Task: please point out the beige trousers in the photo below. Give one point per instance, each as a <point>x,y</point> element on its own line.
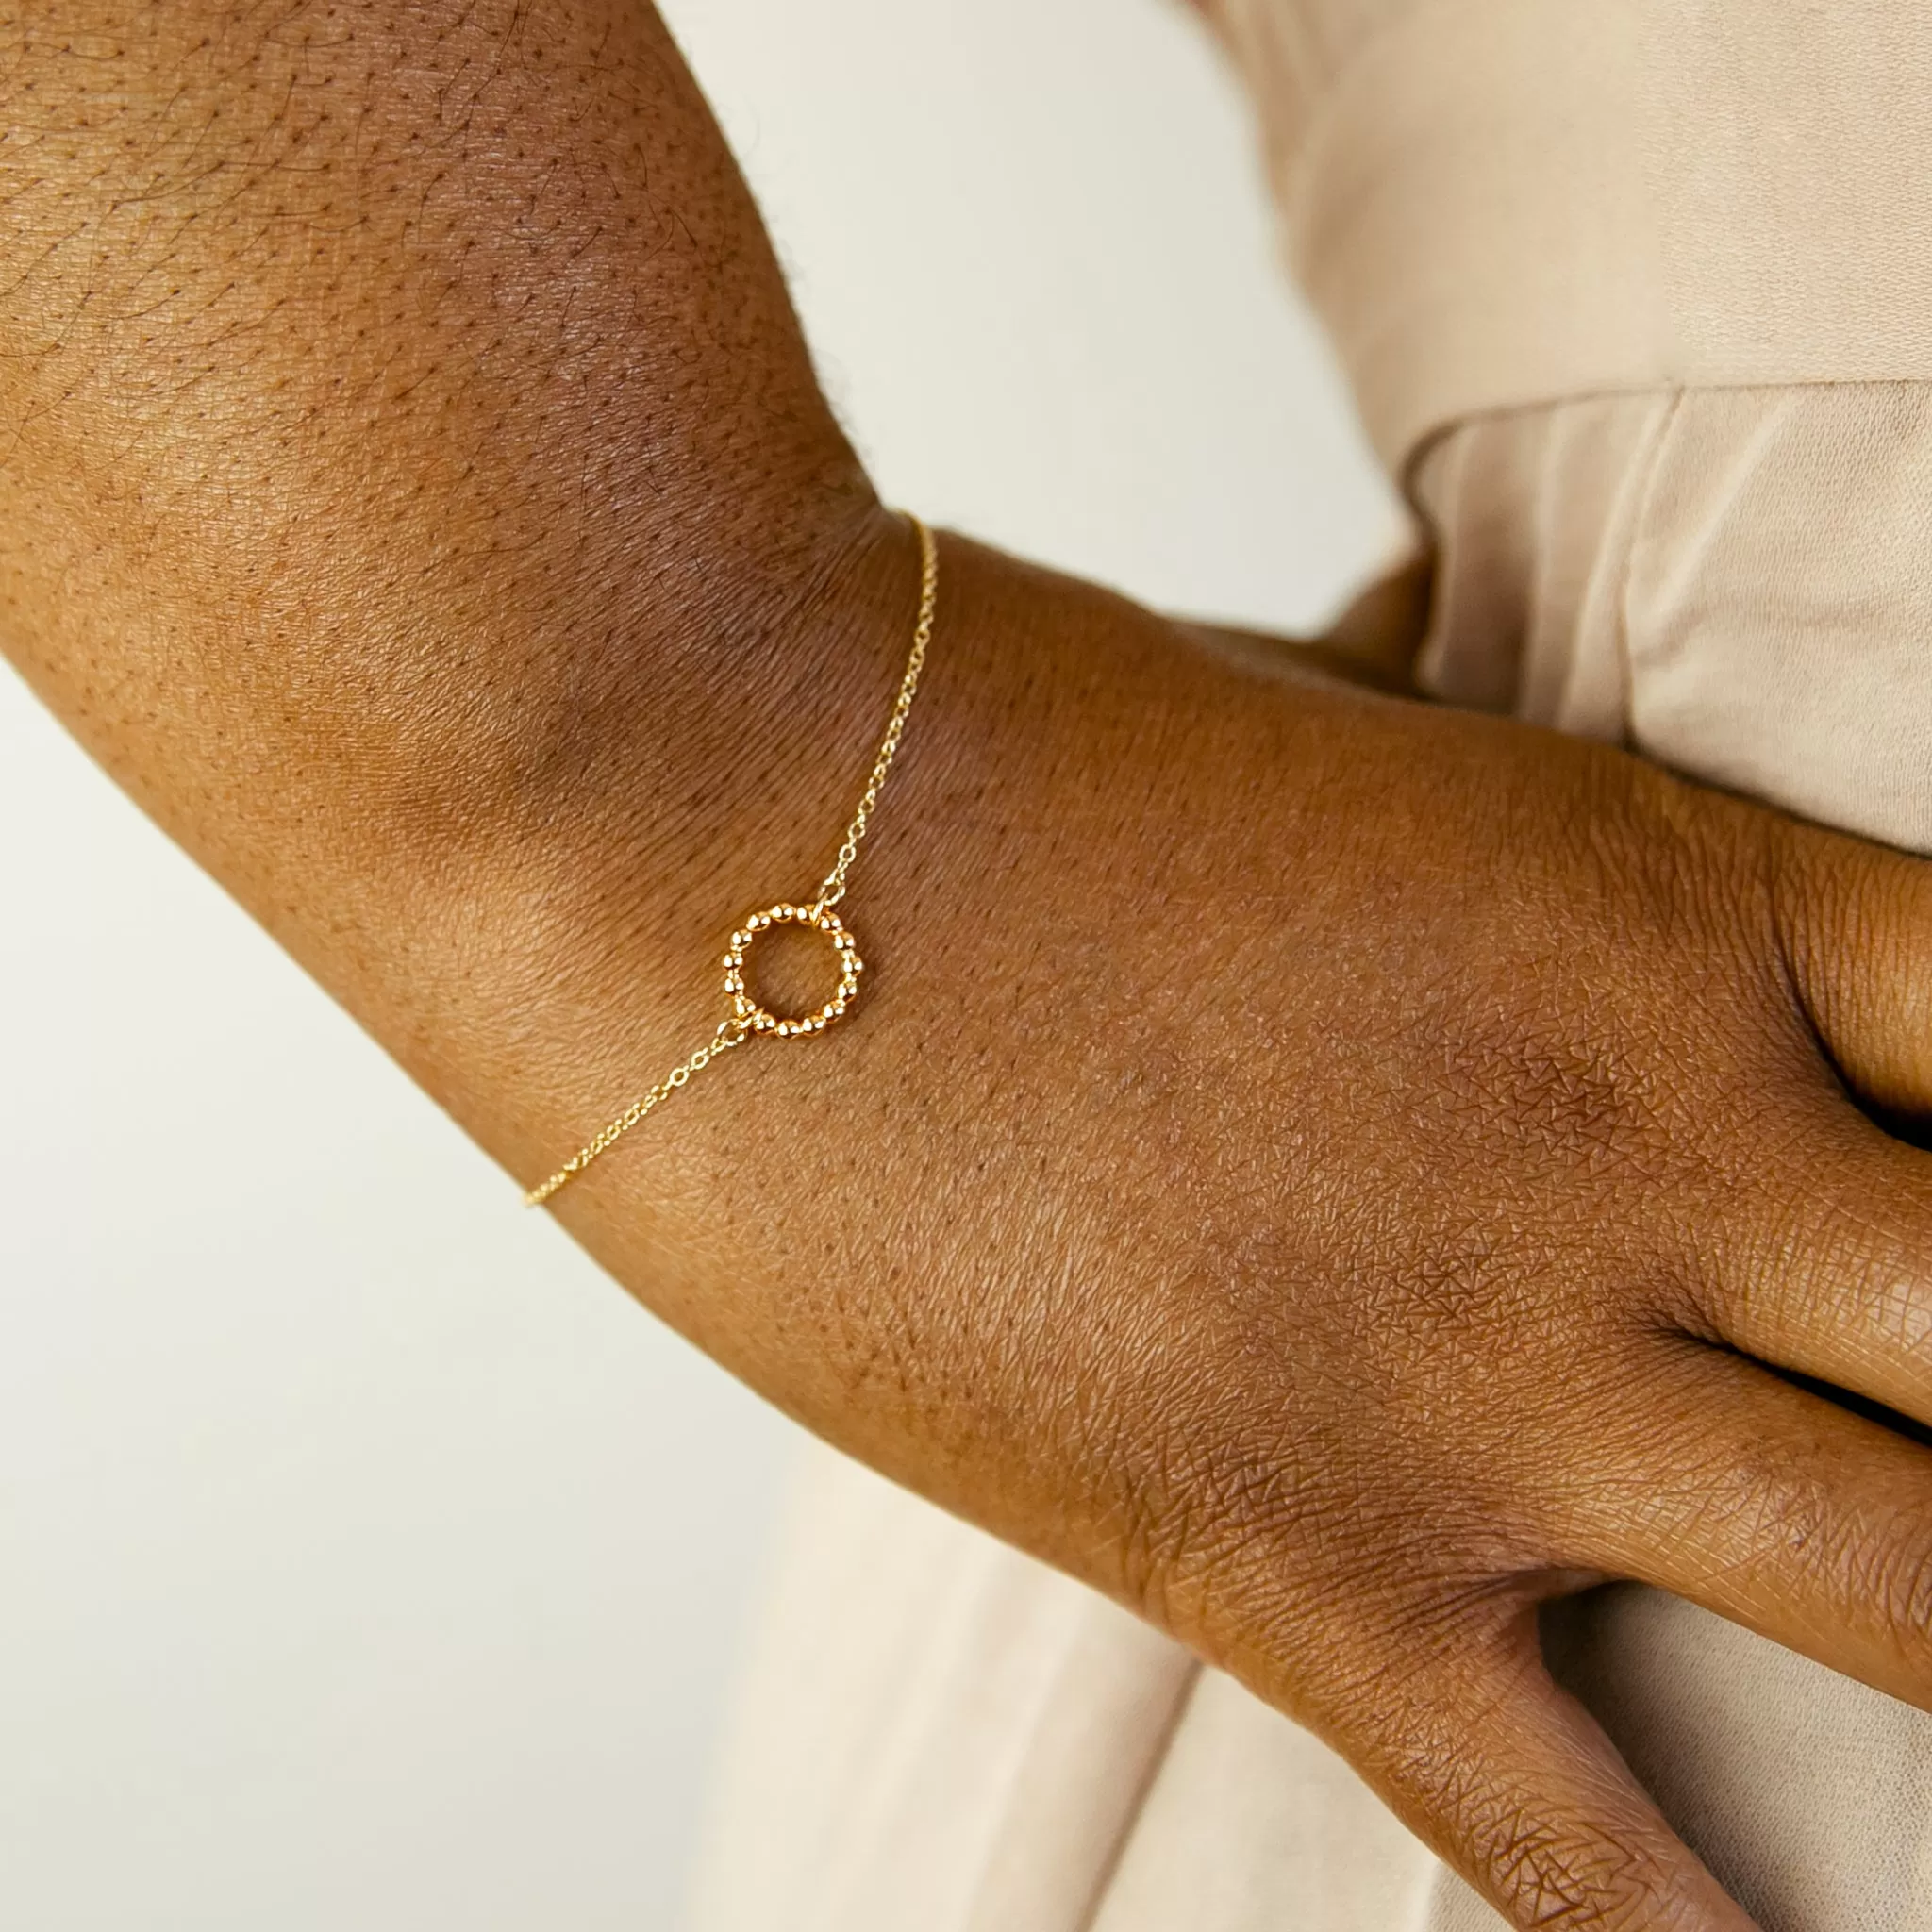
<point>1637,305</point>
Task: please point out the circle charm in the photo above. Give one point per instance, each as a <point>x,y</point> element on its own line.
<point>752,1017</point>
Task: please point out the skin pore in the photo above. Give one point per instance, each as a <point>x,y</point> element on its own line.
<point>1287,1168</point>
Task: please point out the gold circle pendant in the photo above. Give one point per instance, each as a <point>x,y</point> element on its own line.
<point>746,1011</point>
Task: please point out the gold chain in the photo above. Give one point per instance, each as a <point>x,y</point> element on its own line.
<point>747,1016</point>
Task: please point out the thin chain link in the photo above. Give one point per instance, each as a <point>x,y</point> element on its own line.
<point>834,888</point>
<point>735,1031</point>
<point>729,1034</point>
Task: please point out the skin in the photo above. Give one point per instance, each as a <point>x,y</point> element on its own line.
<point>1329,1172</point>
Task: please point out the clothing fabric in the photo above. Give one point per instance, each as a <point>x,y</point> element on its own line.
<point>1498,202</point>
<point>1637,299</point>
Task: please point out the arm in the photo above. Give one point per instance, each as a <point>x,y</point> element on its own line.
<point>1287,1170</point>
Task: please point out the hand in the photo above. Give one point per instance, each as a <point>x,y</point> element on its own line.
<point>1331,1172</point>
<point>1335,1175</point>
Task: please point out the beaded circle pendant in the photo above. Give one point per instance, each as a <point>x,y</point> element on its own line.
<point>755,1018</point>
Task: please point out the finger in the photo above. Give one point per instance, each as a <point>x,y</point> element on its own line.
<point>1773,1506</point>
<point>1823,1265</point>
<point>1856,925</point>
<point>1509,1780</point>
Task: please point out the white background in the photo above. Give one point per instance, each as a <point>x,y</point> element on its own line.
<point>369,1560</point>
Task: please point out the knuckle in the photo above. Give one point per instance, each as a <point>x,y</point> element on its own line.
<point>1562,1121</point>
<point>1554,1081</point>
<point>1796,1517</point>
<point>1891,1574</point>
<point>1544,1867</point>
<point>1549,1881</point>
<point>1874,1569</point>
<point>1546,1873</point>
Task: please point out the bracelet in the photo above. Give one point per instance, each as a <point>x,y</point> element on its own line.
<point>747,1017</point>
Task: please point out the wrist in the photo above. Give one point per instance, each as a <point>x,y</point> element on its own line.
<point>721,784</point>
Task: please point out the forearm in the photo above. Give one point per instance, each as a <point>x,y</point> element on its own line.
<point>412,484</point>
<point>417,493</point>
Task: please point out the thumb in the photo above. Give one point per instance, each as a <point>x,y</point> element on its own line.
<point>1511,1782</point>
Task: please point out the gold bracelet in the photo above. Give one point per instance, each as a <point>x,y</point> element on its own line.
<point>747,1016</point>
